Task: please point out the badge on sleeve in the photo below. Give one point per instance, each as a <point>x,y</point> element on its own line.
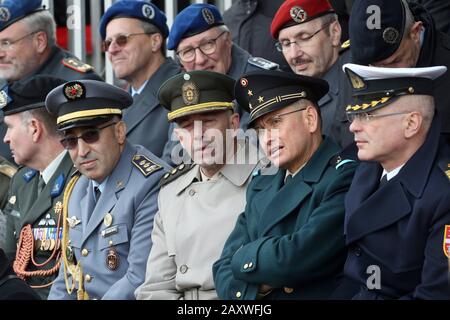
<point>446,245</point>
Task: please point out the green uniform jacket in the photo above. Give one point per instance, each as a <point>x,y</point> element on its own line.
<point>7,170</point>
<point>291,235</point>
<point>41,212</point>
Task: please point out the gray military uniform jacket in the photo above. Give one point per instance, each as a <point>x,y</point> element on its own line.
<point>113,253</point>
<point>193,221</point>
<point>146,119</point>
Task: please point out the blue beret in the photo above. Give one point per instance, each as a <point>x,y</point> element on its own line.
<point>372,42</point>
<point>14,10</point>
<point>142,10</point>
<point>193,20</point>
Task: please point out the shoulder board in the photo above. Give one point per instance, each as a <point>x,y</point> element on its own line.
<point>263,63</point>
<point>77,65</point>
<point>175,173</point>
<point>345,46</point>
<point>7,170</point>
<point>444,164</point>
<point>145,165</point>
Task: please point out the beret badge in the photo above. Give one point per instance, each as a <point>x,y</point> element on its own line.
<point>298,14</point>
<point>148,11</point>
<point>74,91</point>
<point>391,35</point>
<point>208,16</point>
<point>4,14</point>
<point>190,93</point>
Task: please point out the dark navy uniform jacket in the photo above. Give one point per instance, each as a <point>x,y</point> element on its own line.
<point>400,228</point>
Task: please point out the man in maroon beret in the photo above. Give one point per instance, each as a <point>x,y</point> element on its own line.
<point>308,35</point>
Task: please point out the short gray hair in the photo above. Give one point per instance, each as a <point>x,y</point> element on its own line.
<point>42,21</point>
<point>48,120</point>
<point>327,20</point>
<point>147,27</point>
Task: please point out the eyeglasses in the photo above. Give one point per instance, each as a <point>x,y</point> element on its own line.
<point>275,121</point>
<point>7,44</point>
<point>285,45</point>
<point>207,48</point>
<point>366,117</point>
<point>89,136</point>
<point>121,40</point>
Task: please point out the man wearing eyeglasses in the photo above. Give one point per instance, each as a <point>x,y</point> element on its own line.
<point>203,42</point>
<point>35,198</point>
<point>108,216</point>
<point>397,223</point>
<point>308,34</point>
<point>134,34</point>
<point>289,241</point>
<point>407,38</point>
<point>28,47</point>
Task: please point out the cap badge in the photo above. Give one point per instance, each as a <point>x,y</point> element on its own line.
<point>298,14</point>
<point>4,14</point>
<point>208,16</point>
<point>391,35</point>
<point>148,11</point>
<point>3,99</point>
<point>244,82</point>
<point>190,93</point>
<point>357,81</point>
<point>73,91</point>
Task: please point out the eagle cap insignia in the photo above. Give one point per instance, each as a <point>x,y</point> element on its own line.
<point>298,14</point>
<point>208,16</point>
<point>74,91</point>
<point>357,82</point>
<point>190,93</point>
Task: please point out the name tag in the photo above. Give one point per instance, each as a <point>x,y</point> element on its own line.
<point>109,232</point>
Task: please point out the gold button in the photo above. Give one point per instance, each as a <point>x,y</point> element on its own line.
<point>246,266</point>
<point>238,294</point>
<point>250,265</point>
<point>88,278</point>
<point>288,290</point>
<point>84,252</point>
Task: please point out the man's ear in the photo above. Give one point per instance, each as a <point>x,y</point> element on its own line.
<point>156,40</point>
<point>415,31</point>
<point>412,124</point>
<point>335,34</point>
<point>36,128</point>
<point>311,118</point>
<point>121,132</point>
<point>42,41</point>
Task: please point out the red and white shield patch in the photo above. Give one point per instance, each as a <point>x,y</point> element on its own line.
<point>446,244</point>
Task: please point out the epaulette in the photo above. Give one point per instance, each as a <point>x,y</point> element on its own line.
<point>348,155</point>
<point>175,173</point>
<point>145,165</point>
<point>77,65</point>
<point>263,63</point>
<point>7,170</point>
<point>345,46</point>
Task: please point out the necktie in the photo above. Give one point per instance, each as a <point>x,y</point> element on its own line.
<point>41,184</point>
<point>383,181</point>
<point>98,193</point>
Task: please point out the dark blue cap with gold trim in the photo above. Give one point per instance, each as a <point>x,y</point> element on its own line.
<point>376,29</point>
<point>263,91</point>
<point>27,94</point>
<point>86,103</point>
<point>374,87</point>
<point>14,10</point>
